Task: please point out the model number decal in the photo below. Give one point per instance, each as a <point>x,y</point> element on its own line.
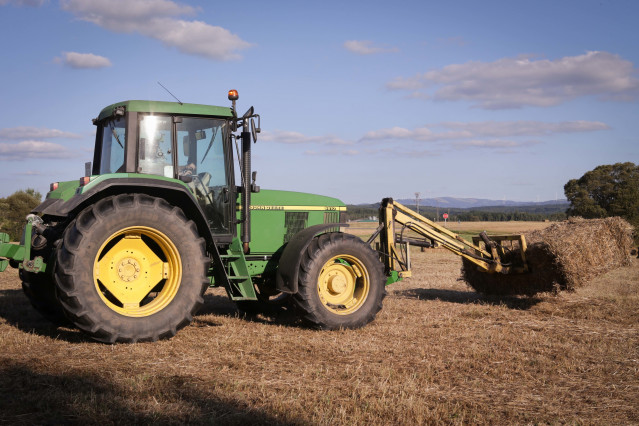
<point>267,207</point>
<point>303,208</point>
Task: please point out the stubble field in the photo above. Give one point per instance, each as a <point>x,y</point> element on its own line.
<point>437,353</point>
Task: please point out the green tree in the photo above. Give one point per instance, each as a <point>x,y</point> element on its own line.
<point>15,208</point>
<point>609,190</point>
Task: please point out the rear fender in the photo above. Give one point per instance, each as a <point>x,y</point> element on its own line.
<point>289,265</point>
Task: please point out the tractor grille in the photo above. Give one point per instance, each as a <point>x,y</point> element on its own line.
<point>294,222</point>
<point>332,217</point>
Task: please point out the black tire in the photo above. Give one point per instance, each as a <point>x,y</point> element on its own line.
<point>40,290</point>
<point>269,301</point>
<point>330,260</point>
<point>125,237</point>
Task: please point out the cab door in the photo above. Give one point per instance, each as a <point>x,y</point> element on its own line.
<point>203,153</point>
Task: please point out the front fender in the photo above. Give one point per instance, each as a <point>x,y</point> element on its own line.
<point>176,193</point>
<point>289,265</point>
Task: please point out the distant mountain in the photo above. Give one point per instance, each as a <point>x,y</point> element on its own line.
<point>470,203</point>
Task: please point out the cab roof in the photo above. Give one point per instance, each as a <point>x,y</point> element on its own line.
<point>167,108</point>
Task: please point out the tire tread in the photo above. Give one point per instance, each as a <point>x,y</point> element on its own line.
<point>78,237</point>
<point>313,312</point>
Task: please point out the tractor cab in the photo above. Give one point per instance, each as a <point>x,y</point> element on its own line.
<point>187,142</point>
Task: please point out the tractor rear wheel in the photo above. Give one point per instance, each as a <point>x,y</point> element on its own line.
<point>131,268</point>
<point>341,282</point>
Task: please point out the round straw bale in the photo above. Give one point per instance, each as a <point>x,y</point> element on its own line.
<point>561,257</point>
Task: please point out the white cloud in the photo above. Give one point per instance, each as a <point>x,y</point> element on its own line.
<point>521,81</point>
<point>124,15</point>
<point>410,153</point>
<point>499,146</point>
<point>288,137</point>
<point>493,144</point>
<point>26,132</point>
<point>83,60</point>
<point>418,134</point>
<point>28,3</point>
<point>499,136</point>
<point>366,47</point>
<point>493,129</point>
<point>524,128</point>
<point>407,83</point>
<point>158,19</point>
<point>30,173</point>
<point>333,152</point>
<point>33,149</point>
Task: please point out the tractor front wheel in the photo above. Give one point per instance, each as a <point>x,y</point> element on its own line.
<point>131,268</point>
<point>341,282</point>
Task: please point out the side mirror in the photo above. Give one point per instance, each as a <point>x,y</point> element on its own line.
<point>253,131</point>
<point>254,187</point>
<point>248,113</point>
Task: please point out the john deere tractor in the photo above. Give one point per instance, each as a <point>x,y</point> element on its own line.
<point>126,252</point>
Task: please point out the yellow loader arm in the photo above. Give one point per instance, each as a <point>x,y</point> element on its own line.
<point>485,252</point>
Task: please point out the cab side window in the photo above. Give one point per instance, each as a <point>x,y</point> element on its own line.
<point>201,154</point>
<point>201,148</point>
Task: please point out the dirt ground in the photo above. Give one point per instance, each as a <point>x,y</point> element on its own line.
<point>437,353</point>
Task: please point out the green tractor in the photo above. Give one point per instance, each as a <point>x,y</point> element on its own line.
<point>126,253</point>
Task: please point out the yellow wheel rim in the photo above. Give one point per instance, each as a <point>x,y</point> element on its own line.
<point>137,271</point>
<point>343,284</point>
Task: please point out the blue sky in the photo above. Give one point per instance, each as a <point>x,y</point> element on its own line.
<point>359,100</point>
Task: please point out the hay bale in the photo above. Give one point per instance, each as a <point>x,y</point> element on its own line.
<point>563,256</point>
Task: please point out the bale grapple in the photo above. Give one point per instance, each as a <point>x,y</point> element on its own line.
<point>400,227</point>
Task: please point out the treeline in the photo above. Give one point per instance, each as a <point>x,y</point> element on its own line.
<point>535,213</point>
<point>14,209</point>
<point>608,190</point>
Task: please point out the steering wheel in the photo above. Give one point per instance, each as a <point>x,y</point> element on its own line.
<point>200,182</point>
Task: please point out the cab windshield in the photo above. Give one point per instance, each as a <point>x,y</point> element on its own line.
<point>113,142</point>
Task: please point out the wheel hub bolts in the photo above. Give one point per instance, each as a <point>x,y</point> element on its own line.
<point>336,284</point>
<point>128,269</point>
